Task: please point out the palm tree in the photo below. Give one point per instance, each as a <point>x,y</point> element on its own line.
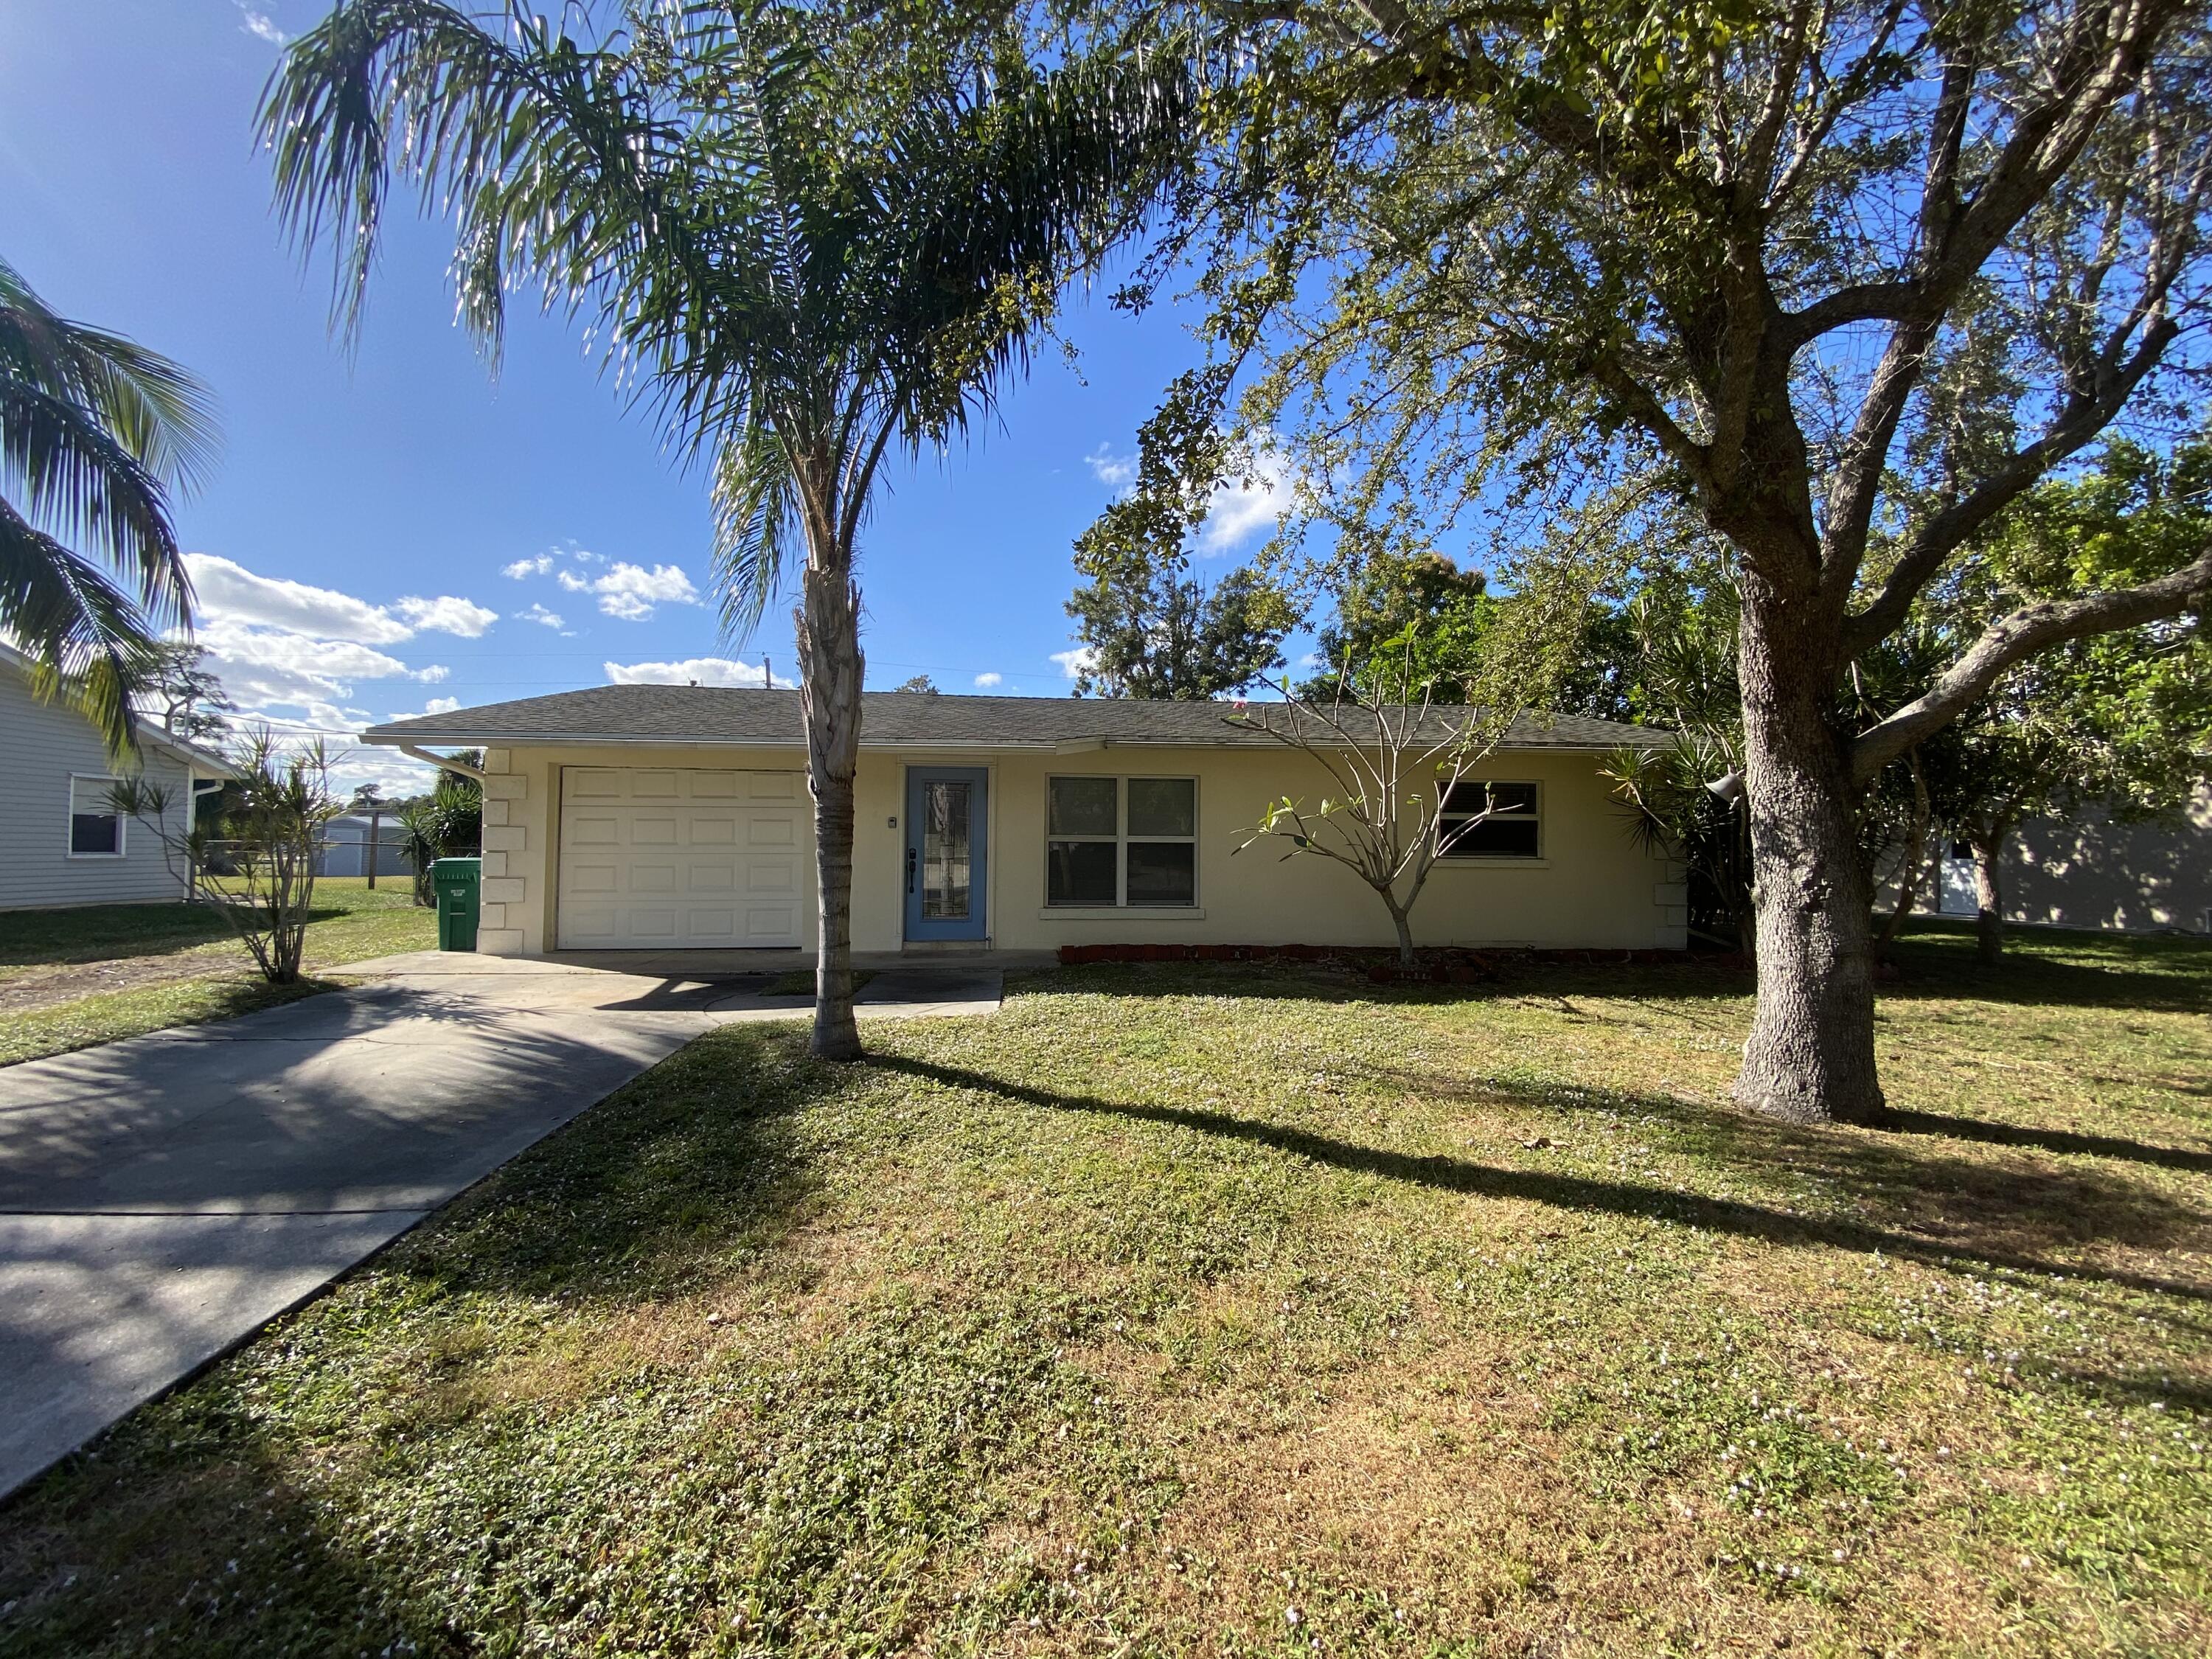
<point>97,433</point>
<point>813,234</point>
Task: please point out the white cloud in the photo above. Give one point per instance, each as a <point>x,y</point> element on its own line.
<point>1115,471</point>
<point>539,614</point>
<point>435,706</point>
<point>260,25</point>
<point>630,592</point>
<point>1073,663</point>
<point>290,654</point>
<point>230,595</point>
<point>1239,507</point>
<point>447,614</point>
<point>229,592</point>
<point>329,662</point>
<point>627,591</point>
<point>985,682</point>
<point>1248,503</point>
<point>703,671</point>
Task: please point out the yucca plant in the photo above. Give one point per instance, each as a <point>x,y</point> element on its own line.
<point>266,844</point>
<point>98,437</point>
<point>807,235</point>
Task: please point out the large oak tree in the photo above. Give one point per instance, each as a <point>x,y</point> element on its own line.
<point>1767,249</point>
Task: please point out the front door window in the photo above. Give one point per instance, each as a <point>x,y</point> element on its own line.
<point>946,863</point>
<point>946,871</point>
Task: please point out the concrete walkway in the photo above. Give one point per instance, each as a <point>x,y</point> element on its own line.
<point>162,1199</point>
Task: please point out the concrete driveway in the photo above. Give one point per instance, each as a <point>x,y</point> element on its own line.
<point>163,1198</point>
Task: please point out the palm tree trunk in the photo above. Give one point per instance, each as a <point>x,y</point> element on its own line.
<point>830,664</point>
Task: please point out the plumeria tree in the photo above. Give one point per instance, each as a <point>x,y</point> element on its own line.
<point>1395,795</point>
<point>813,237</point>
<point>1393,742</point>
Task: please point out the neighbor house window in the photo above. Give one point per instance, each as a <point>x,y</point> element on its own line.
<point>1121,840</point>
<point>95,827</point>
<point>1512,829</point>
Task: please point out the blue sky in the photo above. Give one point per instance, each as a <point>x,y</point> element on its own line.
<point>399,528</point>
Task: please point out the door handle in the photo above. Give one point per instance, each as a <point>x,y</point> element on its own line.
<point>909,869</point>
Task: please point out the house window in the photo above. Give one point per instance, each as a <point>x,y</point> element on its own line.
<point>1513,829</point>
<point>95,827</point>
<point>1121,840</point>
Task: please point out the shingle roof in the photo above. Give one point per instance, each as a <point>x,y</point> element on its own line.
<point>728,716</point>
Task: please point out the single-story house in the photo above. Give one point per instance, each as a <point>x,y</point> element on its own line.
<point>345,847</point>
<point>658,818</point>
<point>60,842</point>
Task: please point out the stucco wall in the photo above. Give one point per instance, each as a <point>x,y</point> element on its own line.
<point>1593,886</point>
<point>42,744</point>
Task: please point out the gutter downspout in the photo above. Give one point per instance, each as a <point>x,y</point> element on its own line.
<point>442,762</point>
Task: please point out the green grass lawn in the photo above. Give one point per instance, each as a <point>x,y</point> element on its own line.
<point>177,964</point>
<point>1242,1311</point>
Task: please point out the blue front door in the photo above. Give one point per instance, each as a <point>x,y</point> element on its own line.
<point>945,853</point>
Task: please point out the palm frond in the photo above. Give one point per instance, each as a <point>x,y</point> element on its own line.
<point>755,522</point>
<point>86,641</point>
<point>97,433</point>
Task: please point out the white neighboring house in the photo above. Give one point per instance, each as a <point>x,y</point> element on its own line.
<point>345,843</point>
<point>2089,872</point>
<point>60,843</point>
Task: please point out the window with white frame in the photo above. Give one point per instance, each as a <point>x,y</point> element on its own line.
<point>95,827</point>
<point>1115,841</point>
<point>1513,828</point>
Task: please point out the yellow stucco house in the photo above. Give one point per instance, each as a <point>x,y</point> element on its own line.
<point>656,817</point>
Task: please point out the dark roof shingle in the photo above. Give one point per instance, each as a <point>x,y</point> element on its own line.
<point>731,716</point>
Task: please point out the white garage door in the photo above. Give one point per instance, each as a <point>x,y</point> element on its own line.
<point>655,859</point>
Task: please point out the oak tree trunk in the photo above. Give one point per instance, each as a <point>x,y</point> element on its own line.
<point>1989,896</point>
<point>1908,867</point>
<point>830,664</point>
<point>1810,1056</point>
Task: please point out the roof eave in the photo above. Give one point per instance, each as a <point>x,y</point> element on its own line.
<point>388,738</point>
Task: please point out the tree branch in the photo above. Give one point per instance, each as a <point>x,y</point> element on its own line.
<point>2011,639</point>
<point>2083,418</point>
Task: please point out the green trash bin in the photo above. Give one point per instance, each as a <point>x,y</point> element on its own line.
<point>457,882</point>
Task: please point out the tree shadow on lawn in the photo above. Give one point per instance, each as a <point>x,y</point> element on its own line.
<point>2064,1143</point>
<point>2075,1207</point>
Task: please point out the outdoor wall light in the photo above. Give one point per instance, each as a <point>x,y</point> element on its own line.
<point>1728,786</point>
